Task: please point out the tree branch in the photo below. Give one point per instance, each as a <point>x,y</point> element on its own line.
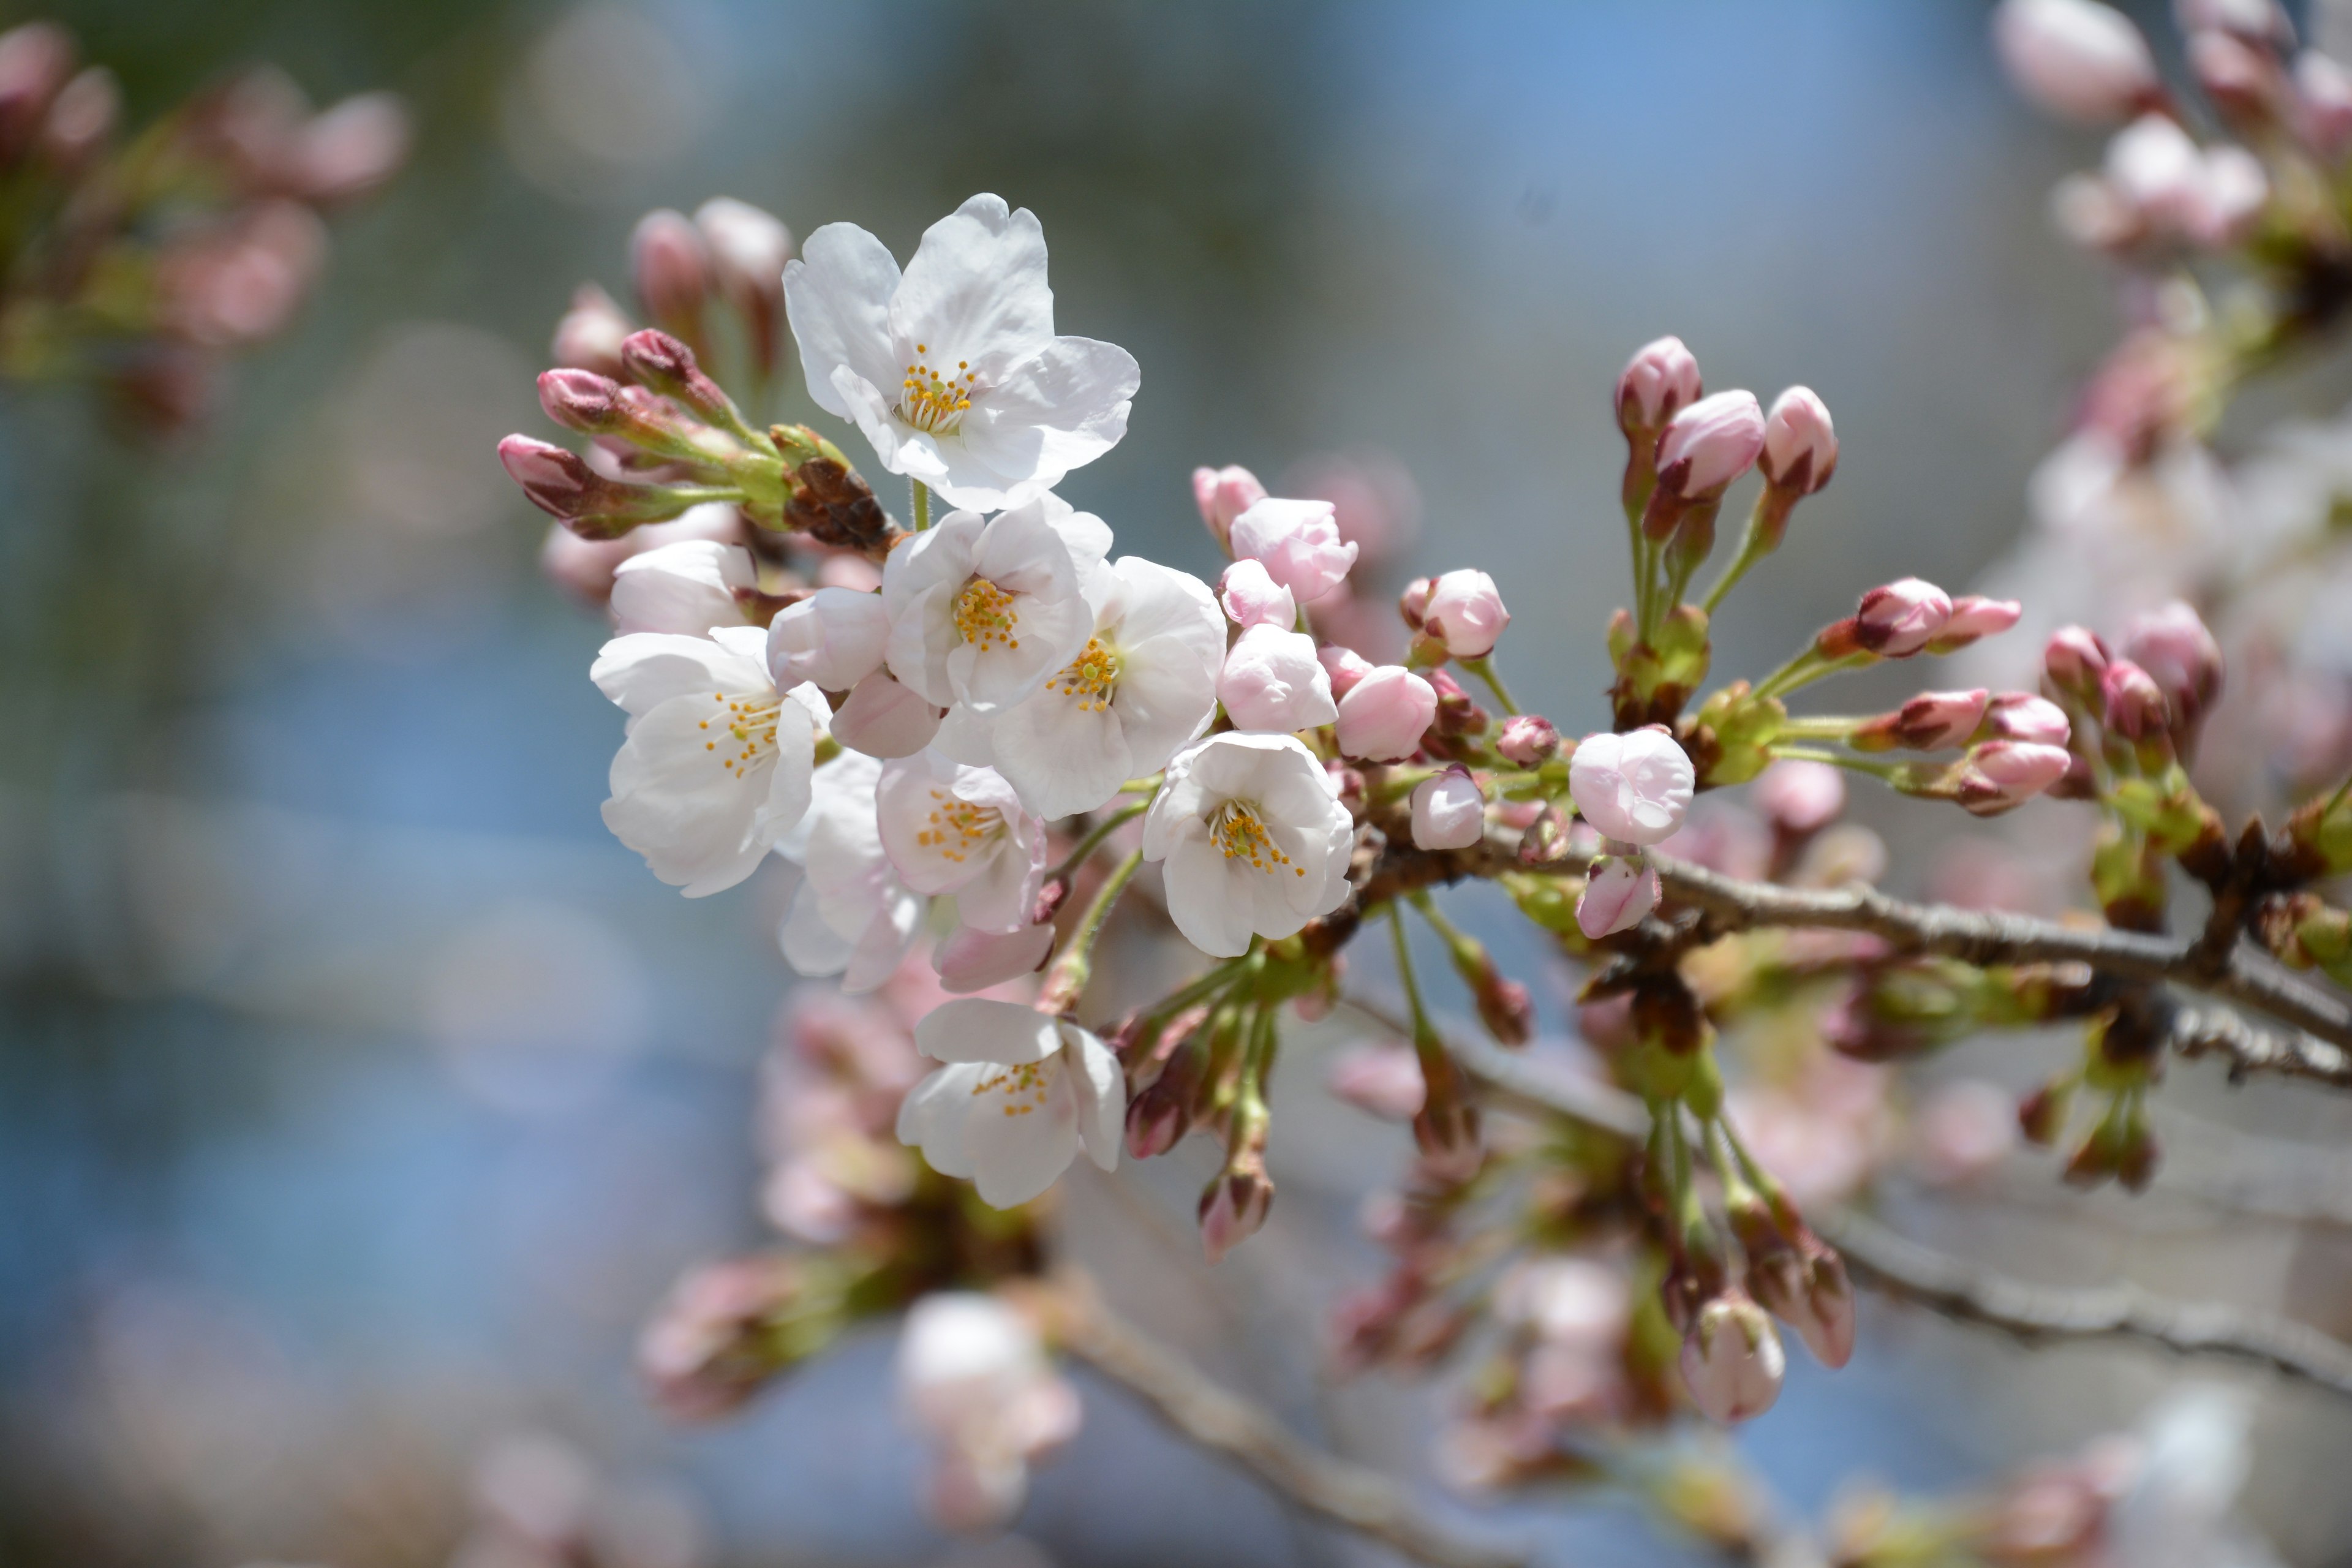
<point>1361,1499</point>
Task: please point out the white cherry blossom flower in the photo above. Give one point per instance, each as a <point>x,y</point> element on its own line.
<point>982,610</point>
<point>954,830</point>
<point>687,588</point>
<point>973,1376</point>
<point>852,915</point>
<point>1298,543</point>
<point>953,370</point>
<point>1142,687</point>
<point>1255,839</point>
<point>1633,787</point>
<point>1021,1094</point>
<point>716,766</point>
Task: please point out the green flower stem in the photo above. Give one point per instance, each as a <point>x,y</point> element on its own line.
<point>1070,972</point>
<point>1888,770</point>
<point>1094,838</point>
<point>1207,985</point>
<point>1483,666</point>
<point>1807,668</point>
<point>1819,728</point>
<point>923,503</point>
<point>1426,1042</point>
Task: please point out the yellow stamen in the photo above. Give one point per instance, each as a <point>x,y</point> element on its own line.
<point>1242,833</point>
<point>1092,677</point>
<point>984,615</point>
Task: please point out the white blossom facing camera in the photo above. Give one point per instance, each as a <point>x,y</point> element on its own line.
<point>1144,685</point>
<point>687,588</point>
<point>952,370</point>
<point>954,830</point>
<point>852,914</point>
<point>982,610</point>
<point>1021,1094</point>
<point>1254,840</point>
<point>716,766</point>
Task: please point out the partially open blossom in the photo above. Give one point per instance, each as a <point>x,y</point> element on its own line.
<point>1465,613</point>
<point>1527,740</point>
<point>2001,774</point>
<point>1252,837</point>
<point>1973,616</point>
<point>982,610</point>
<point>2180,655</point>
<point>1021,1094</point>
<point>1297,542</point>
<point>1385,713</point>
<point>884,718</point>
<point>1344,667</point>
<point>1253,598</point>
<point>2075,59</point>
<point>1710,444</point>
<point>1272,680</point>
<point>972,1376</point>
<point>1620,891</point>
<point>1223,495</point>
<point>1448,811</point>
<point>1143,686</point>
<point>1800,446</point>
<point>1659,382</point>
<point>833,638</point>
<point>1633,787</point>
<point>717,763</point>
<point>688,588</point>
<point>852,915</point>
<point>1897,619</point>
<point>1732,1361</point>
<point>1799,795</point>
<point>1382,1081</point>
<point>954,830</point>
<point>1927,722</point>
<point>953,371</point>
<point>2023,716</point>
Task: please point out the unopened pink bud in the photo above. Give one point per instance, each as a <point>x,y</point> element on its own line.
<point>2242,80</point>
<point>1710,444</point>
<point>2323,92</point>
<point>1899,618</point>
<point>1413,605</point>
<point>2257,21</point>
<point>1800,446</point>
<point>2135,704</point>
<point>2073,661</point>
<point>1798,796</point>
<point>2023,716</point>
<point>1973,616</point>
<point>35,59</point>
<point>1928,723</point>
<point>662,363</point>
<point>579,400</point>
<point>1619,894</point>
<point>1465,611</point>
<point>1659,382</point>
<point>1252,597</point>
<point>2074,59</point>
<point>351,148</point>
<point>81,118</point>
<point>1449,812</point>
<point>1381,1080</point>
<point>2002,775</point>
<point>555,479</point>
<point>1345,667</point>
<point>1528,740</point>
<point>1732,1361</point>
<point>1273,682</point>
<point>747,248</point>
<point>2231,197</point>
<point>1385,714</point>
<point>1233,1209</point>
<point>1633,787</point>
<point>1299,543</point>
<point>2180,655</point>
<point>589,335</point>
<point>1806,1287</point>
<point>671,268</point>
<point>1223,494</point>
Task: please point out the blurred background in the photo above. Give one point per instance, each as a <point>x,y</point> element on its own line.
<point>360,1096</point>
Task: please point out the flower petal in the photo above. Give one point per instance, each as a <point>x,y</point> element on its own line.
<point>1101,1088</point>
<point>978,1029</point>
<point>837,297</point>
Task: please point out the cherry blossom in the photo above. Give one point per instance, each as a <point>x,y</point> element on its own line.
<point>1298,543</point>
<point>1633,787</point>
<point>852,914</point>
<point>833,639</point>
<point>1253,839</point>
<point>973,1377</point>
<point>1465,612</point>
<point>1021,1094</point>
<point>688,587</point>
<point>952,370</point>
<point>1448,811</point>
<point>952,829</point>
<point>1272,681</point>
<point>1385,713</point>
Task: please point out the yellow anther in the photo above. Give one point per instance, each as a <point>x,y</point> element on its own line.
<point>1092,677</point>
<point>984,616</point>
<point>1242,833</point>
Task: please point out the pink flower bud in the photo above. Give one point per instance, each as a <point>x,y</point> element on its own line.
<point>2231,196</point>
<point>2180,655</point>
<point>1899,618</point>
<point>1233,1209</point>
<point>1798,796</point>
<point>1272,681</point>
<point>708,1349</point>
<point>2073,662</point>
<point>1252,597</point>
<point>579,400</point>
<point>1381,1080</point>
<point>35,59</point>
<point>2001,774</point>
<point>1732,1361</point>
<point>1633,787</point>
<point>1973,616</point>
<point>2239,78</point>
<point>1413,605</point>
<point>1223,494</point>
<point>1710,444</point>
<point>662,363</point>
<point>1659,382</point>
<point>2158,172</point>
<point>589,335</point>
<point>671,268</point>
<point>1465,611</point>
<point>82,117</point>
<point>2135,708</point>
<point>2323,97</point>
<point>1800,446</point>
<point>2023,716</point>
<point>1448,811</point>
<point>1345,667</point>
<point>1528,740</point>
<point>2074,59</point>
<point>1619,894</point>
<point>1805,1287</point>
<point>884,719</point>
<point>747,249</point>
<point>1299,543</point>
<point>1385,714</point>
<point>836,637</point>
<point>351,148</point>
<point>972,959</point>
<point>1928,723</point>
<point>556,481</point>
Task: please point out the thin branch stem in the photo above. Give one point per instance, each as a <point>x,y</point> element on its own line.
<point>1483,666</point>
<point>1094,840</point>
<point>921,494</point>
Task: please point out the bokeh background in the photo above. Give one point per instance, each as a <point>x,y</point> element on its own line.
<point>358,1095</point>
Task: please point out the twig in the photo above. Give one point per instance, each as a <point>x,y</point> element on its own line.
<point>1900,1267</point>
<point>1361,1499</point>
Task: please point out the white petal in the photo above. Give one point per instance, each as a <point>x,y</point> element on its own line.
<point>837,297</point>
<point>1062,753</point>
<point>1016,1156</point>
<point>884,718</point>
<point>972,960</point>
<point>1213,912</point>
<point>975,290</point>
<point>977,1029</point>
<point>644,669</point>
<point>968,736</point>
<point>674,803</point>
<point>810,945</point>
<point>1058,411</point>
<point>935,1113</point>
<point>888,937</point>
<point>1102,1087</point>
<point>684,588</point>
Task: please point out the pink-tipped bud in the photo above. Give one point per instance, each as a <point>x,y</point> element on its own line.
<point>1710,444</point>
<point>1381,1080</point>
<point>1413,605</point>
<point>1385,713</point>
<point>1900,618</point>
<point>2000,775</point>
<point>670,266</point>
<point>1928,723</point>
<point>1234,1207</point>
<point>747,248</point>
<point>2181,656</point>
<point>1800,446</point>
<point>1973,616</point>
<point>1223,495</point>
<point>660,363</point>
<point>1528,740</point>
<point>1731,1360</point>
<point>2135,705</point>
<point>2073,662</point>
<point>589,335</point>
<point>579,400</point>
<point>1659,382</point>
<point>1465,612</point>
<point>35,59</point>
<point>2323,92</point>
<point>2023,716</point>
<point>1620,891</point>
<point>1805,1286</point>
<point>2074,59</point>
<point>557,482</point>
<point>1798,796</point>
<point>1345,667</point>
<point>1253,598</point>
<point>1449,812</point>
